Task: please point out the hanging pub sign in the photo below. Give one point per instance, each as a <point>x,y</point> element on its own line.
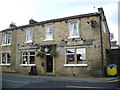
<point>75,43</point>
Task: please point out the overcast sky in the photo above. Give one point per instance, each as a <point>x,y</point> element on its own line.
<point>21,11</point>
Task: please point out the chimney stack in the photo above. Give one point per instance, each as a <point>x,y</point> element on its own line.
<point>102,13</point>
<point>32,21</point>
<point>12,25</point>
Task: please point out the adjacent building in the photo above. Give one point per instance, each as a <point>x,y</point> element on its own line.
<point>69,46</point>
<point>114,45</point>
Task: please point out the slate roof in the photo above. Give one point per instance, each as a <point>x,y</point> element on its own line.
<point>53,21</point>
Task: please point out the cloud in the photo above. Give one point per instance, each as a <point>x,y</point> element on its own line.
<point>111,12</point>
<point>20,11</point>
<point>15,11</point>
<point>114,29</point>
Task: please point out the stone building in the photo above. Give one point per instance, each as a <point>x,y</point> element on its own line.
<point>69,46</point>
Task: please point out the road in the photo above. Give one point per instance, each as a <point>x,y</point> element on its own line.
<point>10,80</point>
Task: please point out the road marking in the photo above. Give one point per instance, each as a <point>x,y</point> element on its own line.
<point>86,87</point>
<point>115,80</point>
<point>15,81</point>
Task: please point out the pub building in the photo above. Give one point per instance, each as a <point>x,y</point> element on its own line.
<point>69,46</point>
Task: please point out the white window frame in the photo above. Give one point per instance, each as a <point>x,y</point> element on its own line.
<point>71,30</point>
<point>75,65</point>
<point>28,61</point>
<point>71,53</point>
<point>29,35</point>
<point>103,26</point>
<point>6,58</point>
<point>48,36</point>
<point>6,36</point>
<point>75,54</point>
<point>9,38</point>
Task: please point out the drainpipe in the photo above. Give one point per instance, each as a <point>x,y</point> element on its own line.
<point>101,42</point>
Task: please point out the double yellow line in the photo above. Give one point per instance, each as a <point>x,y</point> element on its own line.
<point>115,80</point>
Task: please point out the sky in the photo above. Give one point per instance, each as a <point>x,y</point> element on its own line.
<point>21,11</point>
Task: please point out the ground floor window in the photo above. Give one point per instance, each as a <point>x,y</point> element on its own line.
<point>75,55</point>
<point>5,58</point>
<point>28,58</point>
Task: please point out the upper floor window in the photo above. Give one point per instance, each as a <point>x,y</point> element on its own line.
<point>5,58</point>
<point>49,32</point>
<point>29,35</point>
<point>6,38</point>
<point>103,26</point>
<point>73,29</point>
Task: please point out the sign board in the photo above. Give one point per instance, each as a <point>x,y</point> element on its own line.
<point>75,43</point>
<point>33,46</point>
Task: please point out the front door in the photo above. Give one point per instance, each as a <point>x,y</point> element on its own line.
<point>49,61</point>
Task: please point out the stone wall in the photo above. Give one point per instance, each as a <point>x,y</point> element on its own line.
<point>61,32</point>
<point>12,49</point>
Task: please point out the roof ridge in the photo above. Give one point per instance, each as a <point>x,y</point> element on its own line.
<point>53,21</point>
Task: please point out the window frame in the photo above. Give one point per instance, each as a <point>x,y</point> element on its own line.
<point>6,58</point>
<point>75,56</point>
<point>6,38</point>
<point>70,54</point>
<point>28,57</point>
<point>103,26</point>
<point>71,30</point>
<point>48,30</point>
<point>9,38</point>
<point>29,35</point>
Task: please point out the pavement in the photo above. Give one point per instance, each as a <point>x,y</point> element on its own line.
<point>75,79</point>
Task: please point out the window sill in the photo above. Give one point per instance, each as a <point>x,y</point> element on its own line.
<point>75,65</point>
<point>28,42</point>
<point>5,65</point>
<point>6,45</point>
<point>48,40</point>
<point>27,65</point>
<point>73,37</point>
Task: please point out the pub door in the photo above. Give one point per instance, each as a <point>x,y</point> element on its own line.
<point>49,62</point>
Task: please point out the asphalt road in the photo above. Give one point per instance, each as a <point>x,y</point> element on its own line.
<point>10,80</point>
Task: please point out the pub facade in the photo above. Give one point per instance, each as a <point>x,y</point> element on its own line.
<point>69,46</point>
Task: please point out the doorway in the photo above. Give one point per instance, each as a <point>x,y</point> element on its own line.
<point>49,61</point>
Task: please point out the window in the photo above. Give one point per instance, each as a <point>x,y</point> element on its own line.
<point>70,54</point>
<point>24,58</point>
<point>75,56</point>
<point>5,58</point>
<point>6,38</point>
<point>9,38</point>
<point>28,58</point>
<point>73,29</point>
<point>29,35</point>
<point>49,32</point>
<point>32,57</point>
<point>81,54</point>
<point>103,27</point>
